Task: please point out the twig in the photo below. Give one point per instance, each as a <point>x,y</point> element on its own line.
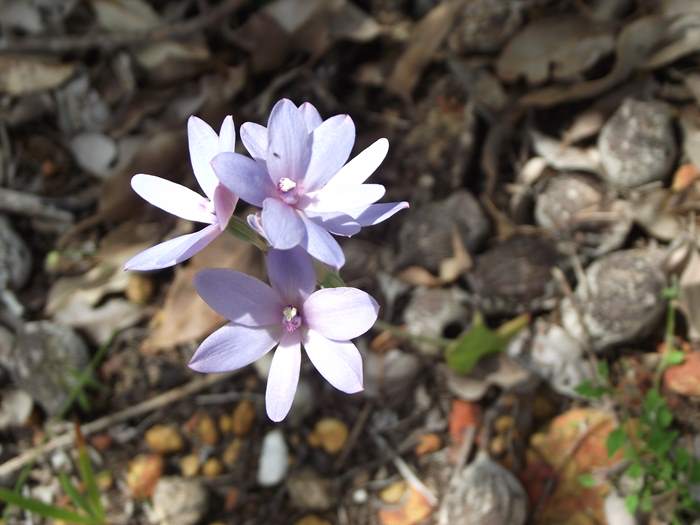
<point>406,472</point>
<point>12,201</point>
<point>110,41</point>
<point>357,428</point>
<point>103,423</point>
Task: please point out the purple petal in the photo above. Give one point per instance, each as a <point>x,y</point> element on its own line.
<point>339,198</point>
<point>224,204</point>
<point>336,223</point>
<point>254,138</point>
<point>321,245</point>
<point>289,144</point>
<point>291,273</point>
<point>359,169</point>
<point>244,177</point>
<point>331,144</point>
<point>204,145</point>
<point>340,313</point>
<point>377,213</point>
<point>239,297</point>
<point>173,251</point>
<point>283,377</point>
<point>311,116</point>
<point>232,347</point>
<point>339,362</point>
<point>255,222</point>
<point>227,135</point>
<point>173,198</point>
<point>282,224</point>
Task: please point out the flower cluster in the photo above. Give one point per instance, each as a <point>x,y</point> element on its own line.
<point>298,174</point>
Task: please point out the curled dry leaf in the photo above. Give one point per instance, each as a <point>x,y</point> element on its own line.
<point>23,74</point>
<point>426,39</point>
<point>574,444</point>
<point>184,317</point>
<point>561,46</point>
<point>411,509</point>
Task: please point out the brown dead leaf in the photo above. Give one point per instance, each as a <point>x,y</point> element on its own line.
<point>634,45</point>
<point>24,74</point>
<point>684,379</point>
<point>77,301</point>
<point>561,46</point>
<point>463,415</point>
<point>426,39</point>
<point>574,444</point>
<point>185,317</point>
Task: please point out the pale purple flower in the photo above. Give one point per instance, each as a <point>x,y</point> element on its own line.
<point>286,315</point>
<point>299,177</point>
<point>215,209</point>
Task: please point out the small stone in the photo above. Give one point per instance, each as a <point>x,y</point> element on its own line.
<point>45,361</point>
<point>575,208</point>
<point>330,434</point>
<point>243,417</point>
<point>164,439</point>
<point>232,452</point>
<point>178,501</point>
<point>104,480</point>
<point>393,493</point>
<point>308,491</point>
<point>485,492</point>
<point>504,424</point>
<point>15,408</point>
<point>225,424</point>
<point>142,475</point>
<point>312,519</point>
<point>15,258</point>
<point>435,312</point>
<point>390,374</point>
<point>515,275</point>
<point>498,445</point>
<point>426,234</point>
<point>207,431</point>
<point>189,465</point>
<point>637,144</point>
<point>619,302</point>
<point>139,288</point>
<point>273,464</point>
<point>212,468</point>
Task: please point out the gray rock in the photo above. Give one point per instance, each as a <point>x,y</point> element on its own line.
<point>619,301</point>
<point>390,374</point>
<point>433,311</point>
<point>179,501</point>
<point>15,258</point>
<point>309,491</point>
<point>576,208</point>
<point>45,361</point>
<point>425,237</point>
<point>485,493</point>
<point>637,144</point>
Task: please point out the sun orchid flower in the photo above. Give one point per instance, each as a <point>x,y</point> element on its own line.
<point>299,177</point>
<point>215,209</point>
<point>286,315</point>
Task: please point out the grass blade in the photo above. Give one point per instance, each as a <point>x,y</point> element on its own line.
<point>88,476</point>
<point>72,492</point>
<point>40,508</point>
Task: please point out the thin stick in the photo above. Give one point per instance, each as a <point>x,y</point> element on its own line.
<point>21,203</point>
<point>406,472</point>
<point>103,423</point>
<point>360,423</point>
<point>110,41</point>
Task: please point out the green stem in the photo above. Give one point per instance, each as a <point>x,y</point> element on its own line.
<point>239,228</point>
<point>402,333</point>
